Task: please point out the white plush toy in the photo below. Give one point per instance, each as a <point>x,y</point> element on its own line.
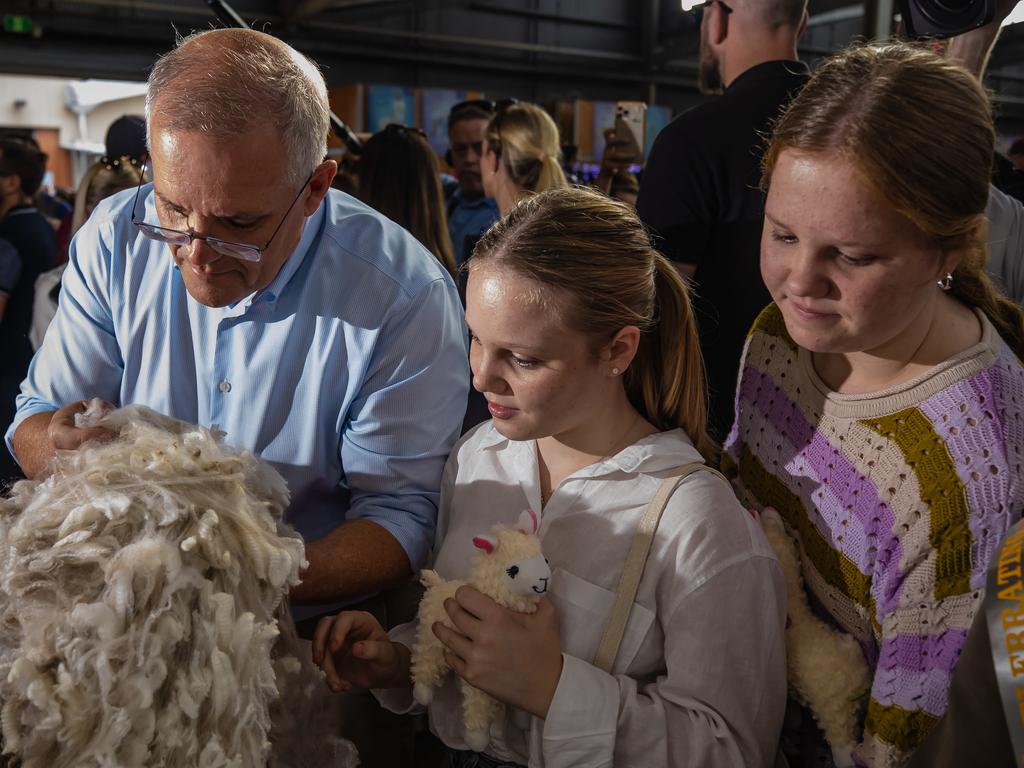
<point>511,570</point>
<point>826,667</point>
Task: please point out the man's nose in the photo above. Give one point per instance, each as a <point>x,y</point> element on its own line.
<point>199,253</point>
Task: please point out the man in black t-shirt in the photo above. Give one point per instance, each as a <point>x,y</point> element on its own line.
<point>21,173</point>
<point>700,189</point>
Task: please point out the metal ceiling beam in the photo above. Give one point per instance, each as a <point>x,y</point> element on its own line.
<point>878,19</point>
<point>477,43</point>
<point>558,18</point>
<point>836,15</point>
<point>296,11</point>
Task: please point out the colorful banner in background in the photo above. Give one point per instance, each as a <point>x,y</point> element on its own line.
<point>435,104</point>
<point>386,104</point>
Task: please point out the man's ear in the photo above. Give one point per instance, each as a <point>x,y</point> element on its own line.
<point>319,185</point>
<point>719,20</point>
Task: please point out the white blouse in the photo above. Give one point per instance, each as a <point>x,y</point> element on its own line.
<point>700,677</point>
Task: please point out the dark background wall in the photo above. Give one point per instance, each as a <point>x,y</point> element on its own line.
<point>542,50</point>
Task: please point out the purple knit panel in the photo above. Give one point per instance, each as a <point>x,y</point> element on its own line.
<point>965,416</point>
<point>851,496</point>
<point>914,671</point>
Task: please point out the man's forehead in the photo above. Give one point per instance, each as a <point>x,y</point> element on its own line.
<point>469,130</point>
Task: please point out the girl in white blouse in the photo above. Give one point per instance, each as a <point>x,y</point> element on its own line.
<point>584,344</point>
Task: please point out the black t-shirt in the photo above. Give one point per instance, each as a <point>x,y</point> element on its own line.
<point>34,239</point>
<point>700,195</point>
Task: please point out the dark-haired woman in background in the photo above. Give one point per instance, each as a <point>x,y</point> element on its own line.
<point>399,176</point>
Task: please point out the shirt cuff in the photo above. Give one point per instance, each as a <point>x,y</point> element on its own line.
<point>19,417</point>
<point>583,717</point>
<point>400,700</point>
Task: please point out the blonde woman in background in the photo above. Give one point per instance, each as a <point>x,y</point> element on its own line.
<point>104,178</point>
<point>521,155</point>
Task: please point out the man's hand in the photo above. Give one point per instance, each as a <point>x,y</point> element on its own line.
<point>65,436</point>
<point>515,657</point>
<point>613,161</point>
<point>353,649</point>
<point>40,436</point>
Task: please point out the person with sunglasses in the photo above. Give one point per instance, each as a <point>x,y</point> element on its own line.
<point>699,190</point>
<point>238,289</point>
<point>470,211</point>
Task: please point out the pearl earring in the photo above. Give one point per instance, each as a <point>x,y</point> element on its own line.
<point>615,371</point>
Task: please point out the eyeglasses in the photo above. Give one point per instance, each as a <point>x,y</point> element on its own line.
<point>700,10</point>
<point>180,237</point>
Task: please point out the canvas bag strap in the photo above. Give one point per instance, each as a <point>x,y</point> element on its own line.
<point>633,569</point>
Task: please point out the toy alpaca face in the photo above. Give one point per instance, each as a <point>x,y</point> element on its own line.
<point>528,574</point>
<point>528,577</point>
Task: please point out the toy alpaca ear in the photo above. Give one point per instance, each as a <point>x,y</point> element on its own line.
<point>486,543</point>
<point>527,522</point>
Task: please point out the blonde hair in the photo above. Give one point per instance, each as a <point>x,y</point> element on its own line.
<point>920,130</point>
<point>595,251</point>
<point>526,139</point>
<point>103,178</point>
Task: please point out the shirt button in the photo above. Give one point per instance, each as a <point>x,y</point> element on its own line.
<point>224,386</point>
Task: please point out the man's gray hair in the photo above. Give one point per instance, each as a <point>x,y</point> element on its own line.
<point>224,82</point>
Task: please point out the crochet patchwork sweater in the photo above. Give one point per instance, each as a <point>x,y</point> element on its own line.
<point>897,500</point>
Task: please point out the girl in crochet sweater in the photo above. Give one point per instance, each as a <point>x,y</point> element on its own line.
<point>879,400</point>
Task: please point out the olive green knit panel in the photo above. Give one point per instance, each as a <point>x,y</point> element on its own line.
<point>941,490</point>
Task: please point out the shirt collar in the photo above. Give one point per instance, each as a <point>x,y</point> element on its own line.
<point>20,209</point>
<point>310,230</point>
<point>655,453</point>
<point>480,202</point>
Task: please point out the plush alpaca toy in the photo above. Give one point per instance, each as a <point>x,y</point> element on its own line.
<point>509,569</point>
<point>826,667</point>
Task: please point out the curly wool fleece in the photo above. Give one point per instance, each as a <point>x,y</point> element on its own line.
<point>141,588</point>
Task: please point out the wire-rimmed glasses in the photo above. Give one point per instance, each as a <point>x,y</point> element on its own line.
<point>181,237</point>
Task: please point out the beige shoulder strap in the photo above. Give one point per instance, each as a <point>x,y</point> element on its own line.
<point>633,569</point>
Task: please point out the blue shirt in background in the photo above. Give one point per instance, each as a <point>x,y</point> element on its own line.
<point>467,221</point>
<point>348,371</point>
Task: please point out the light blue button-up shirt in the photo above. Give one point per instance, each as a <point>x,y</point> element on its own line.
<point>348,371</point>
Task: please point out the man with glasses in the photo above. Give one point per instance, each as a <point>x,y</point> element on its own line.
<point>700,189</point>
<point>470,212</point>
<point>238,290</point>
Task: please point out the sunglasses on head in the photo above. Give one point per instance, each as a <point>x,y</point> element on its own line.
<point>486,105</point>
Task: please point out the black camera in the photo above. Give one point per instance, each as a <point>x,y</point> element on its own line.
<point>945,18</point>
